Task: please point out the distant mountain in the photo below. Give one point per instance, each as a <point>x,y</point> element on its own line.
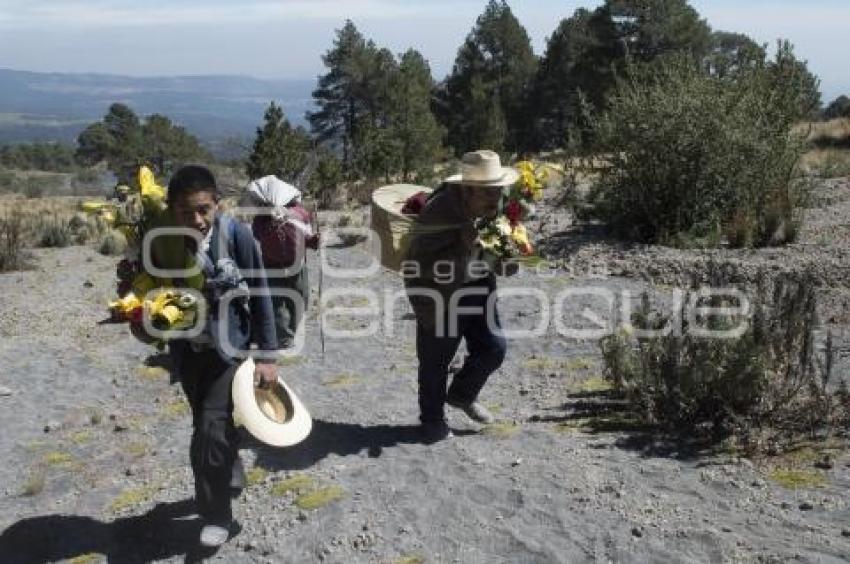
<point>57,106</point>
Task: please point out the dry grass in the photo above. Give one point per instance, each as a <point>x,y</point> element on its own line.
<point>832,132</point>
<point>34,484</point>
<point>132,497</point>
<point>827,163</point>
<point>41,216</point>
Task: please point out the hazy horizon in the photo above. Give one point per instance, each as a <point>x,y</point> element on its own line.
<point>284,39</point>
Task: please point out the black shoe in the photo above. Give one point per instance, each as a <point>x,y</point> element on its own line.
<point>474,410</point>
<point>435,431</point>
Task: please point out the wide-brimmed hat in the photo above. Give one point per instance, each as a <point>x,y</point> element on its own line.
<point>274,415</point>
<point>483,168</point>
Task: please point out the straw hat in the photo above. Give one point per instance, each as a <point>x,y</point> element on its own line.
<point>274,416</point>
<point>483,168</point>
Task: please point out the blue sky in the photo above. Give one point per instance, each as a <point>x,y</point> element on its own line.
<point>285,38</point>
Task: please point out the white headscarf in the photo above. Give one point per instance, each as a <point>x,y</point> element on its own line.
<point>271,191</point>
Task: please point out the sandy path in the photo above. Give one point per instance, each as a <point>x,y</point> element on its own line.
<point>535,488</point>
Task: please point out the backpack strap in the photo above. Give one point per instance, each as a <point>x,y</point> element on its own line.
<point>224,223</point>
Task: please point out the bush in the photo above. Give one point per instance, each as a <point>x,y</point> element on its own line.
<point>324,183</point>
<point>13,255</point>
<point>694,158</point>
<point>113,243</point>
<point>769,378</point>
<point>54,232</point>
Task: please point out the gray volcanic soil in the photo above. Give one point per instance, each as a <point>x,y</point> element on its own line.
<point>97,435</point>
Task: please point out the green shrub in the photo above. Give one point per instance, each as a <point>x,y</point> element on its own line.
<point>33,189</point>
<point>769,377</point>
<point>694,158</point>
<point>113,243</point>
<point>54,232</point>
<point>13,255</point>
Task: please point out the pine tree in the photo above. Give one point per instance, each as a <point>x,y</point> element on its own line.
<point>578,65</point>
<point>278,149</point>
<point>496,57</point>
<point>342,94</point>
<point>414,127</point>
<point>125,142</point>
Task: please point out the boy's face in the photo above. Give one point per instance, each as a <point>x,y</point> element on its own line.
<point>196,210</point>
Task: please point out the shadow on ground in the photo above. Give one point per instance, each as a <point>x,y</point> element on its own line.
<point>166,531</point>
<point>342,439</point>
<point>599,413</point>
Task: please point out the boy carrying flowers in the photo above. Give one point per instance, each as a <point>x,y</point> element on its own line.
<point>214,251</point>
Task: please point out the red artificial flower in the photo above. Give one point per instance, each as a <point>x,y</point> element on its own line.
<point>513,211</point>
<point>136,316</point>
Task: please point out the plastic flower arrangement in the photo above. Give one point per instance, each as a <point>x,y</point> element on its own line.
<point>506,236</point>
<point>139,293</point>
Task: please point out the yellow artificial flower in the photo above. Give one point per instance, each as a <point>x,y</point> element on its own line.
<point>520,237</point>
<point>148,185</point>
<point>170,314</point>
<point>95,207</point>
<point>107,216</point>
<point>126,304</point>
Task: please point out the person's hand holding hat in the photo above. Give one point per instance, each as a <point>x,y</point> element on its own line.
<point>265,373</point>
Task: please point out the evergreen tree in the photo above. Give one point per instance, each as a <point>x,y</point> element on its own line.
<point>342,94</point>
<point>414,127</point>
<point>125,142</point>
<point>732,53</point>
<point>577,66</point>
<point>651,28</point>
<point>279,149</point>
<point>497,61</point>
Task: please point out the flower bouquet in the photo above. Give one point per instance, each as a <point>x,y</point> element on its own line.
<point>505,237</point>
<point>141,294</point>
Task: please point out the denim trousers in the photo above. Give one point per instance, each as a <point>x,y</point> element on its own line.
<point>484,342</point>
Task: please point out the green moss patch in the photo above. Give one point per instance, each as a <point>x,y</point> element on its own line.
<point>320,497</point>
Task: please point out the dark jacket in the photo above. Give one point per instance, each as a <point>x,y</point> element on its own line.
<point>254,324</point>
<point>442,232</point>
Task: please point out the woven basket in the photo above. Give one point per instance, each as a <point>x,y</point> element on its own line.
<point>393,227</point>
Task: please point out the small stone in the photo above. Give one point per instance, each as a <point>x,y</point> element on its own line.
<point>523,392</point>
<point>5,392</point>
<point>119,428</point>
<point>637,532</point>
<point>824,464</point>
<point>88,284</point>
<point>806,506</point>
<point>52,426</point>
<point>516,462</point>
<point>302,516</point>
<point>845,532</point>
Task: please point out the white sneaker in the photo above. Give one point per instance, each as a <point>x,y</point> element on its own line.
<point>213,536</point>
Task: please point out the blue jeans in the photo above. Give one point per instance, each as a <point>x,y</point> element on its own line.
<point>486,348</point>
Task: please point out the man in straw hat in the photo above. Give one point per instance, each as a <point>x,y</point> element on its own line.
<point>206,370</point>
<point>448,285</point>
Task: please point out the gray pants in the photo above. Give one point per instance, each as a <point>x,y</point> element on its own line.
<point>289,310</point>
